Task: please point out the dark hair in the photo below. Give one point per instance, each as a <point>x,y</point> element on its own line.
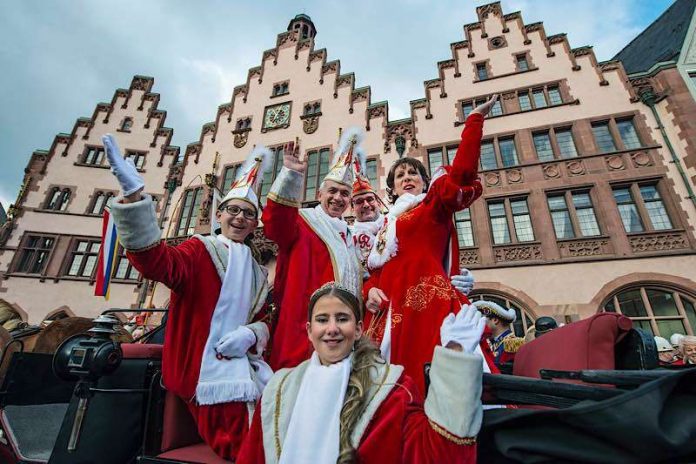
<point>412,162</point>
<point>331,288</point>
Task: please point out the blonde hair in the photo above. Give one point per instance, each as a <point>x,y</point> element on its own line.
<point>365,358</point>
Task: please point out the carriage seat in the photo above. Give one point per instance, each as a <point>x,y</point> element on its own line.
<point>586,344</point>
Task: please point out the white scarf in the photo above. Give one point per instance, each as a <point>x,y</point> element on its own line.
<point>386,245</point>
<point>313,431</point>
<point>236,379</point>
<point>336,236</point>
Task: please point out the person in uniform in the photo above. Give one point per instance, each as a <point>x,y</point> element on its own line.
<point>665,351</point>
<point>502,341</point>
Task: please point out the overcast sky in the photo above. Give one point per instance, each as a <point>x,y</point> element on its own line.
<point>61,57</point>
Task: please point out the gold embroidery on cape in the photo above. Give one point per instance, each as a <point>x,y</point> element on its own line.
<point>420,295</point>
<point>378,324</point>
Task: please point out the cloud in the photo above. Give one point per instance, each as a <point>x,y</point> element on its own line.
<point>62,57</point>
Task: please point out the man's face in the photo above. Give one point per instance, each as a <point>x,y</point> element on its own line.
<point>237,226</point>
<point>334,198</point>
<point>689,350</point>
<point>366,207</point>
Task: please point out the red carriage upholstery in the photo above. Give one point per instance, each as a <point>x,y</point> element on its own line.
<point>585,344</point>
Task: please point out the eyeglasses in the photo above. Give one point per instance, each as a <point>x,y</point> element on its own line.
<point>234,210</point>
<point>359,201</point>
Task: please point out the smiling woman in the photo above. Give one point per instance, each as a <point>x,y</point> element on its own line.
<point>409,290</point>
<point>346,404</point>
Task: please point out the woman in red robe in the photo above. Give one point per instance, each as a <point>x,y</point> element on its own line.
<point>346,404</point>
<point>409,284</point>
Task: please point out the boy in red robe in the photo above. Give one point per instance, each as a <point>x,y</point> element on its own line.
<point>214,339</point>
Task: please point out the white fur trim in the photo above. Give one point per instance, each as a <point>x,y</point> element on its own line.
<point>454,397</point>
<point>136,223</point>
<point>218,253</point>
<point>383,385</point>
<point>262,334</point>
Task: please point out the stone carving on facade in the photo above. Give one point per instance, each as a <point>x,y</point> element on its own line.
<point>551,171</point>
<point>255,72</point>
<point>459,45</point>
<point>615,162</point>
<point>491,8</point>
<point>581,51</point>
<point>433,83</point>
<point>641,159</point>
<point>556,39</point>
<point>266,248</point>
<point>609,66</point>
<point>240,90</point>
<point>284,37</point>
<point>417,104</point>
<point>359,95</point>
<point>492,179</point>
<point>582,248</point>
<point>272,53</point>
<point>240,138</point>
<point>658,242</point>
<point>329,67</point>
<point>317,55</point>
<point>533,27</point>
<point>469,257</point>
<point>345,79</point>
<point>141,83</point>
<point>376,112</point>
<point>514,176</point>
<point>208,129</point>
<point>511,16</point>
<point>497,42</point>
<point>310,125</point>
<point>194,150</point>
<point>510,96</point>
<point>446,64</point>
<point>518,253</point>
<point>304,44</point>
<point>575,167</point>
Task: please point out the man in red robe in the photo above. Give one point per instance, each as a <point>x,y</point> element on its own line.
<point>315,245</point>
<point>214,338</point>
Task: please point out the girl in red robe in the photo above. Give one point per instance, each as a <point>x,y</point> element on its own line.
<point>346,404</point>
<point>409,290</point>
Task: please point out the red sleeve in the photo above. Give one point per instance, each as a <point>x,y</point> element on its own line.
<point>170,265</point>
<point>280,223</point>
<point>252,451</point>
<point>465,164</point>
<point>422,443</point>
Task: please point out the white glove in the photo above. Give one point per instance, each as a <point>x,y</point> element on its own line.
<point>125,171</point>
<point>236,343</point>
<point>465,328</point>
<point>463,282</point>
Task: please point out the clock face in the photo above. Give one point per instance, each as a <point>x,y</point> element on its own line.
<point>277,116</point>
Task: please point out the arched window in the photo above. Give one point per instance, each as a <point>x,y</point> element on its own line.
<point>521,323</point>
<point>658,309</point>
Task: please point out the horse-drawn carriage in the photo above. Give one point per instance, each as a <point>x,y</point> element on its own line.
<point>587,392</point>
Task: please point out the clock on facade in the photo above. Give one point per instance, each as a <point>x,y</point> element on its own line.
<point>276,116</point>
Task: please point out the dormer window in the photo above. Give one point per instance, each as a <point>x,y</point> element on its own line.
<point>243,124</point>
<point>127,124</point>
<point>281,88</point>
<point>311,109</point>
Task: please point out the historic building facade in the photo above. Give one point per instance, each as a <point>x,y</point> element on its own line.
<point>583,209</point>
<point>50,245</point>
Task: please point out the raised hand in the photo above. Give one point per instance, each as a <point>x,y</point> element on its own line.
<point>463,282</point>
<point>236,343</point>
<point>485,108</point>
<point>291,158</point>
<point>125,171</point>
<point>376,300</point>
<point>463,330</point>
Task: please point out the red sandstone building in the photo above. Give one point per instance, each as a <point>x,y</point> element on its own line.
<point>588,171</point>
